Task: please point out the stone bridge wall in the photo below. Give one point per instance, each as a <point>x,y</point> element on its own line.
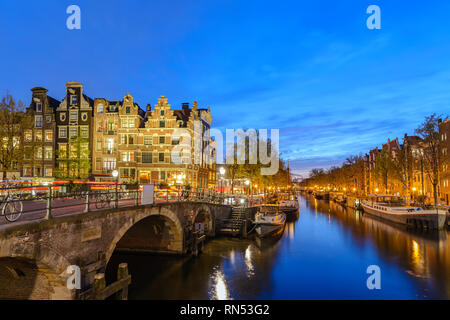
<point>34,255</point>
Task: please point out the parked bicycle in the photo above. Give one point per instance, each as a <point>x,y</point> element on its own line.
<point>12,206</point>
<point>103,200</point>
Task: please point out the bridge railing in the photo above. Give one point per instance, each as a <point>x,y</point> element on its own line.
<point>33,202</point>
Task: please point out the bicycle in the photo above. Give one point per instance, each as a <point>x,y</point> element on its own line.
<point>103,200</point>
<point>12,207</point>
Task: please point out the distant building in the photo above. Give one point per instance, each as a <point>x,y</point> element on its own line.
<point>444,134</point>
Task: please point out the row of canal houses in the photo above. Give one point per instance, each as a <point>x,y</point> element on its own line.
<point>420,183</point>
<point>81,137</point>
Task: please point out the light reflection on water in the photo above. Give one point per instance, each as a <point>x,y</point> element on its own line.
<point>322,255</point>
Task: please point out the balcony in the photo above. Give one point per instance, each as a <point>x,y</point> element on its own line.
<point>110,151</point>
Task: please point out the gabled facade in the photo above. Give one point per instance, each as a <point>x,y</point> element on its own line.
<point>39,141</point>
<point>74,134</point>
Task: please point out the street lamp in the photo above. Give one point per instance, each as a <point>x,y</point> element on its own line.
<point>222,173</point>
<point>115,175</point>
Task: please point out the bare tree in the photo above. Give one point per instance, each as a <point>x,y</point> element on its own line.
<point>13,121</point>
<point>431,155</point>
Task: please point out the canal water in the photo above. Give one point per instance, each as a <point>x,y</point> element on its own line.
<point>322,254</point>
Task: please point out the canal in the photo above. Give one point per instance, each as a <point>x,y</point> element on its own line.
<point>324,254</point>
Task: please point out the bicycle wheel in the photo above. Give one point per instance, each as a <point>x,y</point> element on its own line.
<point>98,201</point>
<point>13,210</point>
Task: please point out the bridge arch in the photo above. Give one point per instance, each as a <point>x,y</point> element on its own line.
<point>204,216</point>
<point>158,230</point>
<point>31,271</point>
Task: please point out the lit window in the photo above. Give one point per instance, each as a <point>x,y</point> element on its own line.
<point>38,122</point>
<point>48,136</point>
<point>38,136</point>
<point>48,153</point>
<point>28,136</point>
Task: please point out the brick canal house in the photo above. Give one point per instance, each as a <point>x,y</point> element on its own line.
<point>139,144</point>
<point>444,134</point>
<point>74,133</point>
<point>88,139</point>
<point>39,141</point>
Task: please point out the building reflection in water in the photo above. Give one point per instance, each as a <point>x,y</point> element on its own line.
<point>248,262</point>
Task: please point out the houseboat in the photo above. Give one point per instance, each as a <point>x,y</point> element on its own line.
<point>392,208</point>
<point>269,221</point>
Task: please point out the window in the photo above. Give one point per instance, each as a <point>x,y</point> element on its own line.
<point>49,119</point>
<point>48,136</point>
<point>148,140</point>
<point>109,164</point>
<point>63,132</point>
<point>73,151</point>
<point>62,150</point>
<point>175,141</point>
<point>38,154</point>
<point>28,136</point>
<point>84,150</point>
<point>48,153</point>
<point>162,124</point>
<point>127,139</point>
<point>162,140</point>
<point>100,108</point>
<point>127,110</point>
<point>161,157</point>
<point>162,175</point>
<point>73,132</point>
<point>127,123</point>
<point>162,113</point>
<point>62,116</point>
<point>128,156</point>
<point>84,132</point>
<point>147,157</point>
<point>110,144</point>
<point>38,107</point>
<point>73,99</point>
<point>38,122</point>
<point>38,136</point>
<point>84,116</point>
<point>27,171</point>
<point>48,172</point>
<point>73,116</point>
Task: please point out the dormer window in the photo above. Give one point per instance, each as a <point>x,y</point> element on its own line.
<point>128,110</point>
<point>162,113</point>
<point>100,108</point>
<point>73,99</point>
<point>38,107</point>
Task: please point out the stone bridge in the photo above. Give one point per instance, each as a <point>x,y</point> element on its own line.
<point>34,255</point>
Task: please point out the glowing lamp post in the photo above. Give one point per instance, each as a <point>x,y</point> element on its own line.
<point>115,175</point>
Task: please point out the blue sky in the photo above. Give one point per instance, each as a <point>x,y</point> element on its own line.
<point>310,68</point>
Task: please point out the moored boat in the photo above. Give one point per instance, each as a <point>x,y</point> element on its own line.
<point>269,221</point>
<point>392,209</point>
